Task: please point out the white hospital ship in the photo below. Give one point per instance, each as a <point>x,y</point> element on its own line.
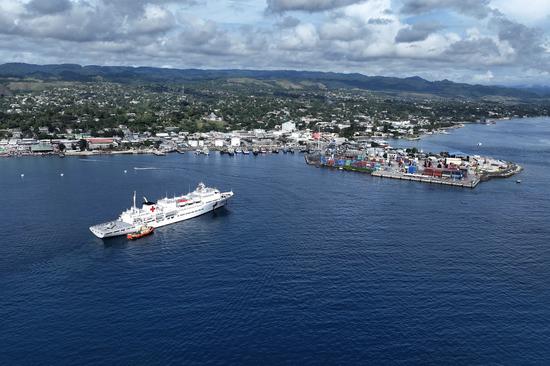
<point>164,212</point>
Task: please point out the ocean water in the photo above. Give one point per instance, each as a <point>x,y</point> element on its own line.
<point>306,266</point>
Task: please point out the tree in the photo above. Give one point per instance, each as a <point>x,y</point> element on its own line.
<point>82,144</point>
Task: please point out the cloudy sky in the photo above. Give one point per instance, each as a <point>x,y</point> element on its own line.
<point>481,41</point>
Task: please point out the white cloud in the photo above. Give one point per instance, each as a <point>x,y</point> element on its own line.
<point>369,36</point>
<point>484,78</point>
<point>531,11</point>
<point>300,37</point>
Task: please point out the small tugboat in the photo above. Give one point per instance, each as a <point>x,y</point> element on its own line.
<point>144,231</point>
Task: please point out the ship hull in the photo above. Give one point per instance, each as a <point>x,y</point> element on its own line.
<point>186,216</point>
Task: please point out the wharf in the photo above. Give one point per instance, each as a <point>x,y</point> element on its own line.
<point>470,183</point>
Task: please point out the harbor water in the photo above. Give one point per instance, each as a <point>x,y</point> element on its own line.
<point>305,266</point>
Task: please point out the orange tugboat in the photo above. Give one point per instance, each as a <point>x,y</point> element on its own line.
<point>144,231</point>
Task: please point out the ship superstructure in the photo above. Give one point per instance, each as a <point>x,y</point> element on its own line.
<point>164,212</point>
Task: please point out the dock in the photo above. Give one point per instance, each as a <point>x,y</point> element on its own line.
<point>466,183</point>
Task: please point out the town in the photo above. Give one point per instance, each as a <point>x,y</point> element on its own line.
<point>65,118</point>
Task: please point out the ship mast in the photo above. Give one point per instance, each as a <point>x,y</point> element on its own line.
<point>319,139</point>
<point>134,200</point>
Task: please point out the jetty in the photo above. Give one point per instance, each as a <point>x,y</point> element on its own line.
<point>464,183</point>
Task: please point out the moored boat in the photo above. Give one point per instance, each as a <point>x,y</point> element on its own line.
<point>164,212</point>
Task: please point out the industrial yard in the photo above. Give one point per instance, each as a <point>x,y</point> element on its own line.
<point>409,164</point>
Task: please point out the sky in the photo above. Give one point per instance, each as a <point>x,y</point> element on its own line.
<point>505,42</point>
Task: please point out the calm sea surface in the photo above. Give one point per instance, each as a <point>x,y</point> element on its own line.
<point>305,266</point>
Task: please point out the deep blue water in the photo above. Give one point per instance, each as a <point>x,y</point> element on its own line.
<point>306,265</point>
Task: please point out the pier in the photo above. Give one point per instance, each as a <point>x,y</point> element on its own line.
<point>464,183</point>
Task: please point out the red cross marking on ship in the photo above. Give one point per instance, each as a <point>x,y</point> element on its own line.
<point>152,208</point>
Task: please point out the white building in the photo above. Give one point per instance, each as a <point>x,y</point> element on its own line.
<point>213,117</point>
<point>235,141</point>
<point>288,127</point>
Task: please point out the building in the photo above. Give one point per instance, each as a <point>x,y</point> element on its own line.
<point>95,143</point>
<point>288,127</point>
<point>213,117</point>
<point>42,148</point>
<point>235,141</point>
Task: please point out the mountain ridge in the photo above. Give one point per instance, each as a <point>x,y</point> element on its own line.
<point>332,80</point>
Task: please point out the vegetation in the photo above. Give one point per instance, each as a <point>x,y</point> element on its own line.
<point>44,107</point>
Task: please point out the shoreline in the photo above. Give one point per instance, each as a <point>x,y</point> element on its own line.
<point>442,130</point>
<point>82,153</point>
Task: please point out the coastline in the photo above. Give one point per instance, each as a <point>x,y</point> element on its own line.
<point>160,152</point>
<point>83,153</point>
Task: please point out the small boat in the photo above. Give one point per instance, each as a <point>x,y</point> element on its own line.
<point>144,231</point>
<point>246,152</point>
<point>518,181</point>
